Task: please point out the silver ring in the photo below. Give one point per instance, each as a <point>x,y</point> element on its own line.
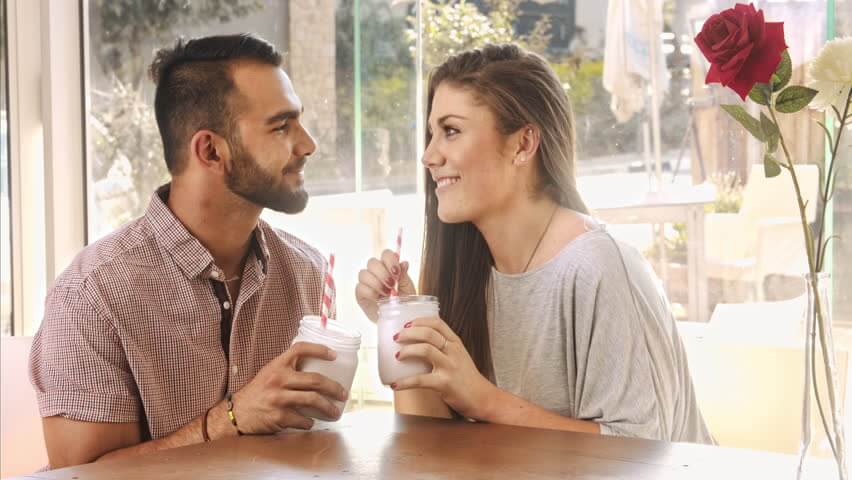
<point>444,345</point>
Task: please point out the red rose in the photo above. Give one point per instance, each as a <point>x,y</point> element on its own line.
<point>742,49</point>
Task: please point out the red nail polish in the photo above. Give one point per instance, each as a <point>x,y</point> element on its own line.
<point>396,337</point>
<point>393,386</point>
<point>407,325</point>
<point>396,355</point>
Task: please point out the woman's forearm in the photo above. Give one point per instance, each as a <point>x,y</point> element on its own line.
<point>422,402</point>
<point>504,408</point>
<point>501,407</point>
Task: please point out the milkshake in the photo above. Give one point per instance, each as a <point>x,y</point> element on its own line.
<point>345,341</point>
<point>394,313</point>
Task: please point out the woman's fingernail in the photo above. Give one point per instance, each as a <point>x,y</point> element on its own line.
<point>396,355</point>
<point>396,337</point>
<point>393,386</point>
<point>395,270</point>
<point>407,325</point>
<point>387,290</point>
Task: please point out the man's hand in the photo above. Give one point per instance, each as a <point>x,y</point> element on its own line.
<point>269,403</point>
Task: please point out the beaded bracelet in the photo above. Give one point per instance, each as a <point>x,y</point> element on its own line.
<point>231,415</point>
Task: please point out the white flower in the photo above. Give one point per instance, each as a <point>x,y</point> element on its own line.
<point>831,74</point>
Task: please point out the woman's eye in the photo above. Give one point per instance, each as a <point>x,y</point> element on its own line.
<point>450,131</point>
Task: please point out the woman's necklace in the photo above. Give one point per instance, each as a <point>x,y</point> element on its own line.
<point>546,228</point>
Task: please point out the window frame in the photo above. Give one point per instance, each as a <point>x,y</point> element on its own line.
<point>46,161</point>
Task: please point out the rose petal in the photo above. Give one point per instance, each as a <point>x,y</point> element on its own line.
<point>745,9</point>
<point>760,67</point>
<point>765,59</point>
<point>775,36</point>
<point>704,45</point>
<point>738,39</point>
<point>735,65</point>
<point>742,85</point>
<point>713,75</point>
<point>756,28</point>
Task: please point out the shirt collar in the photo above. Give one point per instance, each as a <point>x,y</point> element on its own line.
<point>188,253</point>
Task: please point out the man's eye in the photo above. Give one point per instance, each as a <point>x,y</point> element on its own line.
<point>283,128</point>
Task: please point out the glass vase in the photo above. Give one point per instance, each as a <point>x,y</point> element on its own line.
<point>819,351</point>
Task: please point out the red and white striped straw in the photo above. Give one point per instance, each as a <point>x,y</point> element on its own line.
<point>395,289</point>
<point>327,286</point>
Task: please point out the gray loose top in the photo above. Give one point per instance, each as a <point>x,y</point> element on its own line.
<point>590,335</point>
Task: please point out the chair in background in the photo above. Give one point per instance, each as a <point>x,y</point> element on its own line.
<point>22,447</point>
<point>765,236</point>
<point>747,366</point>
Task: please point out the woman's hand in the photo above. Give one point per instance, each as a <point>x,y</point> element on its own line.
<point>454,375</point>
<point>377,280</point>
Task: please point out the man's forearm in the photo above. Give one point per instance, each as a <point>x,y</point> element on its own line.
<point>218,426</point>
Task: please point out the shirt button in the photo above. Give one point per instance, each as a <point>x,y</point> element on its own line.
<point>214,274</point>
<point>226,305</point>
<point>235,369</point>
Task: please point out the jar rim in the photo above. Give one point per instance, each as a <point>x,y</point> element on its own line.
<point>335,334</point>
<point>408,300</point>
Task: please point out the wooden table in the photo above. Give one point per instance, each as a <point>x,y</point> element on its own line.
<point>384,445</point>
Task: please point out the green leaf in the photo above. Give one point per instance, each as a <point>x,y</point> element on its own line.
<point>767,126</point>
<point>772,143</point>
<point>792,99</point>
<point>770,166</point>
<point>760,94</point>
<point>770,131</point>
<point>783,73</point>
<point>750,123</point>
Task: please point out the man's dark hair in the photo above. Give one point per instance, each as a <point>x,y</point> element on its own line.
<point>195,87</point>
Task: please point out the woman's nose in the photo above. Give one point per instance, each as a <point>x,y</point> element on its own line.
<point>431,157</point>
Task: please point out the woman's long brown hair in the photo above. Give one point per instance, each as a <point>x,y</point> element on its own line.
<point>521,90</point>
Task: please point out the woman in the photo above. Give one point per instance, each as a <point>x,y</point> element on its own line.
<point>547,321</point>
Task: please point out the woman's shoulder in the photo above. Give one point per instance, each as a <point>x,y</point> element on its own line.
<point>594,250</point>
<point>597,255</point>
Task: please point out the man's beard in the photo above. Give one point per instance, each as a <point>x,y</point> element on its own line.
<point>250,182</point>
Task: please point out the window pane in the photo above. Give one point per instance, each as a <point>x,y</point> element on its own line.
<point>6,326</point>
<point>125,160</point>
<point>705,159</point>
<point>842,248</point>
<point>363,193</point>
<point>352,86</point>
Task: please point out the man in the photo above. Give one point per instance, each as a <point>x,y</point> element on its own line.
<point>170,331</point>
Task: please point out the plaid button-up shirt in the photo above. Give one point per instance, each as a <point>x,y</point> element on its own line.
<point>133,328</point>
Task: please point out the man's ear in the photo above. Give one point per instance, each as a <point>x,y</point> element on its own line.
<point>210,151</point>
<point>528,140</point>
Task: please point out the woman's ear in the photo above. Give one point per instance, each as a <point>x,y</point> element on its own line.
<point>528,141</point>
